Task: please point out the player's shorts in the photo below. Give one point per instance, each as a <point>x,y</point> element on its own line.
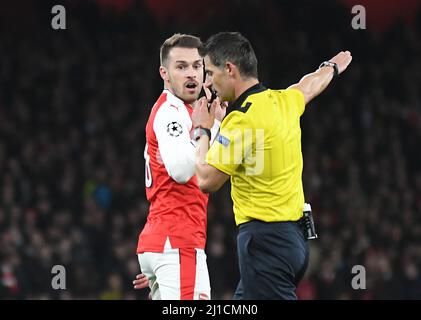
<point>176,274</point>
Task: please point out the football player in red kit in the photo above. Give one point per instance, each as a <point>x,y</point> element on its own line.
<point>171,245</point>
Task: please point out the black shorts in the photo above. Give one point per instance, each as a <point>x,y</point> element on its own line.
<point>273,257</point>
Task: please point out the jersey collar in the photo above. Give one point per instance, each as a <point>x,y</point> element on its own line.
<point>175,100</point>
<point>236,105</point>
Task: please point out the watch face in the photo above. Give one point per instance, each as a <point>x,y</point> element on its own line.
<point>196,134</point>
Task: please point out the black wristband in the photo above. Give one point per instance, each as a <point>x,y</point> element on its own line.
<point>200,131</point>
<point>331,64</point>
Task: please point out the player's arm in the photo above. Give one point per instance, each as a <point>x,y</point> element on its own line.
<point>209,178</point>
<point>311,85</point>
<point>175,146</point>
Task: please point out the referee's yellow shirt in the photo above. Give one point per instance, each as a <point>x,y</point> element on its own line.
<point>259,146</point>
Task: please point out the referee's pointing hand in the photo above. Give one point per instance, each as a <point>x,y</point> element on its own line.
<point>342,60</point>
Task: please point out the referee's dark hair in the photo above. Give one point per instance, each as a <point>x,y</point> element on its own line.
<point>233,47</point>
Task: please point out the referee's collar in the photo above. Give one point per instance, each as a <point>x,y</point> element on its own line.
<point>252,90</point>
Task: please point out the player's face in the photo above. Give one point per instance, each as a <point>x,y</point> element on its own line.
<point>219,80</point>
<point>184,73</point>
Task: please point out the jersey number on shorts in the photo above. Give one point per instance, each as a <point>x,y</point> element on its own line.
<point>148,173</point>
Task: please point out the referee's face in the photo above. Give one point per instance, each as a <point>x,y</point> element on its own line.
<point>219,80</point>
<point>183,73</point>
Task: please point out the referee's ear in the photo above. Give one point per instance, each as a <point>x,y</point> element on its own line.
<point>232,69</point>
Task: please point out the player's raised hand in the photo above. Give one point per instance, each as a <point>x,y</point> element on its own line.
<point>202,115</point>
<point>140,282</point>
<point>207,87</point>
<point>342,59</point>
<point>220,108</point>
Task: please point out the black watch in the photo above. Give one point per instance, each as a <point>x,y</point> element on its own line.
<point>200,131</point>
<point>331,64</point>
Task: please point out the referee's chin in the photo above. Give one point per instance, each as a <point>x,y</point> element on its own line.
<point>224,99</point>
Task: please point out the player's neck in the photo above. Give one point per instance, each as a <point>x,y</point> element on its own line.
<point>243,85</point>
<point>173,93</point>
<point>169,89</point>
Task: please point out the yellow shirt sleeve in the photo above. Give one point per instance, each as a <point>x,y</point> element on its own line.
<point>295,97</point>
<point>228,150</point>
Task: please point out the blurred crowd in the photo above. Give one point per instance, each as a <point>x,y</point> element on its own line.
<point>73,110</point>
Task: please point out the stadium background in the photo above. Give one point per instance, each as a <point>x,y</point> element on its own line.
<point>73,108</point>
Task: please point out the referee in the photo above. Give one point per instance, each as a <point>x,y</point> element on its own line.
<point>259,147</point>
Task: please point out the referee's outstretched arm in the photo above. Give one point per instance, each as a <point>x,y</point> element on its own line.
<point>312,84</point>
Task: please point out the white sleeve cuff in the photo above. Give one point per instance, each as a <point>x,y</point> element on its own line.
<point>214,130</point>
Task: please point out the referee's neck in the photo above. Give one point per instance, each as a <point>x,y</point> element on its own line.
<point>242,85</point>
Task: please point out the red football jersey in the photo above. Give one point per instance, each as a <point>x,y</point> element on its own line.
<point>177,209</point>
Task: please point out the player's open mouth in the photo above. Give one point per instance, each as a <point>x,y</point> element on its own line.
<point>191,85</point>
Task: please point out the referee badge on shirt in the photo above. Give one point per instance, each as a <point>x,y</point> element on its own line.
<point>223,140</point>
<point>174,129</point>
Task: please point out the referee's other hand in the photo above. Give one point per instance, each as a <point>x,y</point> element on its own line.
<point>140,282</point>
